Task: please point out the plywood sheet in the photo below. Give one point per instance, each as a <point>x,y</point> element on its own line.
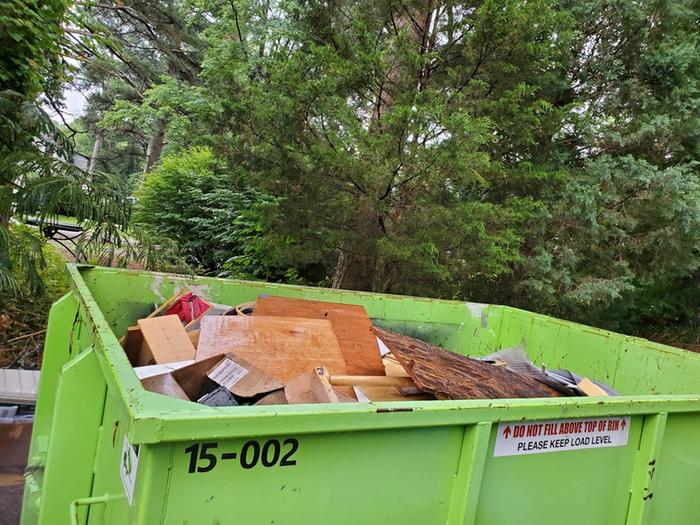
<point>283,347</point>
<point>350,323</point>
<point>164,341</point>
<point>450,375</point>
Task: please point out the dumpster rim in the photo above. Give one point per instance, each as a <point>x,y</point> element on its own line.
<point>147,424</point>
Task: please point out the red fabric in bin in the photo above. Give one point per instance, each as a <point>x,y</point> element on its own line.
<point>188,307</point>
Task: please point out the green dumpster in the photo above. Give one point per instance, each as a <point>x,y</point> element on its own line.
<point>105,451</point>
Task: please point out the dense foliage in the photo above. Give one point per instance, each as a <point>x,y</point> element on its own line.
<point>37,176</point>
<point>542,154</point>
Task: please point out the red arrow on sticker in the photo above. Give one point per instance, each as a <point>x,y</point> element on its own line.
<point>506,432</point>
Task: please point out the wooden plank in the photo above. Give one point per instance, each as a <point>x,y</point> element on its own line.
<point>350,323</point>
<point>283,347</point>
<point>164,340</point>
<point>343,380</point>
<point>168,303</point>
<point>589,388</point>
<point>450,375</point>
<point>391,393</point>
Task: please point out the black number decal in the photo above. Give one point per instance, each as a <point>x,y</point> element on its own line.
<point>244,454</point>
<point>209,458</point>
<point>286,461</point>
<point>203,455</point>
<point>266,460</point>
<point>192,451</point>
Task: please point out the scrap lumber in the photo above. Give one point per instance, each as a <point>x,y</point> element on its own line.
<point>347,380</point>
<point>168,303</point>
<point>283,347</point>
<point>589,388</point>
<point>450,375</point>
<point>391,393</point>
<point>350,323</point>
<point>164,341</point>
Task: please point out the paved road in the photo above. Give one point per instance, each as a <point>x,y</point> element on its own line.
<point>11,488</point>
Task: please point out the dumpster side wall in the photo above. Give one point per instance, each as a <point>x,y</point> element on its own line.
<point>629,364</point>
<point>419,464</point>
<point>466,328</point>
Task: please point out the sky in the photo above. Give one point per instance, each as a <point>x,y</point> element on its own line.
<point>74,102</point>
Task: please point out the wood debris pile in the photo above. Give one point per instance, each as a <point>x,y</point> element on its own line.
<point>279,350</point>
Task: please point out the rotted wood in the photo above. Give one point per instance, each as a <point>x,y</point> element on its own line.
<point>450,375</point>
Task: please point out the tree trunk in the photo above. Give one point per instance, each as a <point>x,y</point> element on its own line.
<point>96,147</point>
<point>341,268</point>
<point>155,146</point>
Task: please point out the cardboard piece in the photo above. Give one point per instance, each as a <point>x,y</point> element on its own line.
<point>166,385</point>
<point>350,323</point>
<point>282,347</point>
<point>254,382</point>
<point>313,387</point>
<point>274,398</point>
<point>450,375</point>
<point>242,377</point>
<point>164,340</point>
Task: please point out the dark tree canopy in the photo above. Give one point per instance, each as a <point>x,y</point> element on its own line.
<point>542,154</point>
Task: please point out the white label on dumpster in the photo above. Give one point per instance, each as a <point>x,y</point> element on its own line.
<point>227,373</point>
<point>127,468</point>
<point>539,437</point>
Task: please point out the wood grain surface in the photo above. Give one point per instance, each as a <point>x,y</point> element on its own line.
<point>450,375</point>
<point>282,347</point>
<point>350,323</point>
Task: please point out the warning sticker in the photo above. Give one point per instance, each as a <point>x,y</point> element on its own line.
<point>539,437</point>
<point>127,468</point>
<point>227,373</point>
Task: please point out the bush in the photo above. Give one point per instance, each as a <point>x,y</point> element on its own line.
<point>193,200</point>
<point>23,318</point>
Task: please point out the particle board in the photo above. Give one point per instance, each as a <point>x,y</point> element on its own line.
<point>283,347</point>
<point>350,323</point>
<point>450,375</point>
